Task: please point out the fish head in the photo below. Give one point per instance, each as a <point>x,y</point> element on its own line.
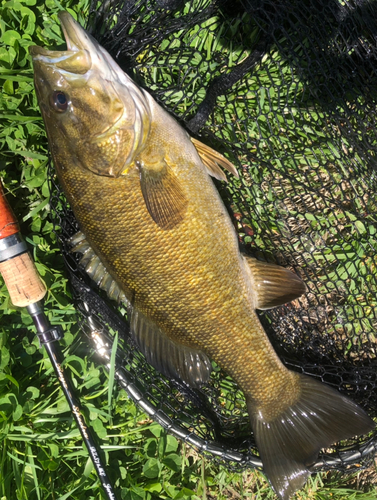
<point>94,114</point>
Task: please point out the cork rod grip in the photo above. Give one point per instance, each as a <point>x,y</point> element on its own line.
<point>21,277</point>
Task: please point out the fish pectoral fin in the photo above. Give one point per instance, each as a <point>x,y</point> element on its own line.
<point>163,195</point>
<point>289,442</point>
<point>213,160</point>
<point>273,285</point>
<point>168,357</point>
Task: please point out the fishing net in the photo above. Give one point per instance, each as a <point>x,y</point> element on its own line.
<point>287,90</point>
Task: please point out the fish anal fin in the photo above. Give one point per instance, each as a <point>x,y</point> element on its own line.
<point>163,195</point>
<point>213,160</point>
<point>273,285</point>
<point>289,443</point>
<point>168,357</point>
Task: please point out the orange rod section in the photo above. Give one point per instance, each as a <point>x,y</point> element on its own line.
<point>8,221</point>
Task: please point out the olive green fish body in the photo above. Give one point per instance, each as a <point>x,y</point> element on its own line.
<point>196,286</point>
<point>140,190</point>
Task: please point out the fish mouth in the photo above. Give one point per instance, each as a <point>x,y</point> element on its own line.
<point>75,36</point>
<point>77,58</point>
<point>83,53</point>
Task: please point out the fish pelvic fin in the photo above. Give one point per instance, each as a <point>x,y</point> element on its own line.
<point>290,442</point>
<point>213,160</point>
<point>95,268</point>
<point>170,358</point>
<point>273,285</point>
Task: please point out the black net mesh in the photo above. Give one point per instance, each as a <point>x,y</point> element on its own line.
<point>287,90</point>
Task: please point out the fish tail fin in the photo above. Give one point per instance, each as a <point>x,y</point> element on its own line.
<point>290,441</point>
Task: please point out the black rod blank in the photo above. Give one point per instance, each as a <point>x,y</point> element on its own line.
<point>48,336</point>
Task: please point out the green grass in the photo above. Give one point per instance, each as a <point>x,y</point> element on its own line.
<point>41,454</point>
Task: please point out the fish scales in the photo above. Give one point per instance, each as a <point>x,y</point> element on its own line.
<point>191,288</point>
<point>140,190</point>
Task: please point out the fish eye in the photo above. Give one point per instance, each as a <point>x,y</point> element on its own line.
<point>59,101</point>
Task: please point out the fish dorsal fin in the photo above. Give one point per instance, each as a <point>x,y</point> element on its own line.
<point>163,195</point>
<point>170,358</point>
<point>213,160</point>
<point>273,285</point>
<point>95,268</point>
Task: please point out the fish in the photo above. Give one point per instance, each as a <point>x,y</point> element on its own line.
<point>155,233</point>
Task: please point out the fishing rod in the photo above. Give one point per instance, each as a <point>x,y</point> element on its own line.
<point>26,289</point>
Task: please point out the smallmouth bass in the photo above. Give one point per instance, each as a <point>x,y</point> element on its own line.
<point>155,232</point>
